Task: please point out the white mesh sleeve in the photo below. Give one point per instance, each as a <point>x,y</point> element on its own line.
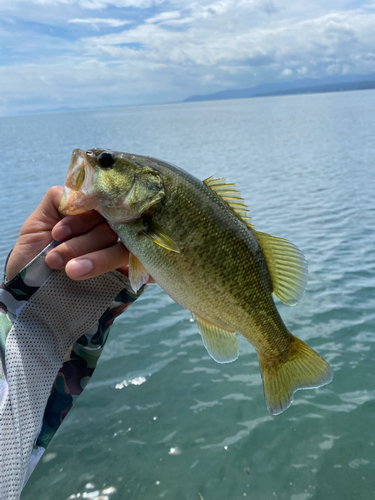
<point>52,320</point>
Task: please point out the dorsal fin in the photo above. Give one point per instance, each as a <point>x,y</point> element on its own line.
<point>231,197</point>
<point>287,267</point>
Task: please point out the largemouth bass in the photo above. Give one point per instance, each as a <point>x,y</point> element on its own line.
<point>198,243</point>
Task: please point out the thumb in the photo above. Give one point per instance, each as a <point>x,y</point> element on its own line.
<point>46,215</point>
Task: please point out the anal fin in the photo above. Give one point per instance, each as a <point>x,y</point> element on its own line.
<point>221,344</point>
<point>138,275</point>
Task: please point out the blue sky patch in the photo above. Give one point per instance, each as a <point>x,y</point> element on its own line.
<point>178,48</point>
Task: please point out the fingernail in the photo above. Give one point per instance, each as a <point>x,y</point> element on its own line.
<point>62,233</point>
<point>79,267</point>
<point>54,260</point>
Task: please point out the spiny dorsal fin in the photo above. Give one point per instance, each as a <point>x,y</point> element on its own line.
<point>138,275</point>
<point>231,197</point>
<point>287,266</point>
<point>221,345</point>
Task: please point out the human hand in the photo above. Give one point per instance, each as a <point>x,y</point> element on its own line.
<point>90,247</point>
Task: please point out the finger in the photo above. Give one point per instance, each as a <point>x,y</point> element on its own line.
<point>50,203</point>
<point>95,263</point>
<point>100,237</point>
<point>74,225</point>
<point>35,233</point>
<point>46,215</point>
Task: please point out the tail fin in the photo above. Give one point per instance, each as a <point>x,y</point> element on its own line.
<point>303,369</point>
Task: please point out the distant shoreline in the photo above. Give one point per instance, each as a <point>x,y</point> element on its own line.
<point>298,87</point>
<point>309,89</point>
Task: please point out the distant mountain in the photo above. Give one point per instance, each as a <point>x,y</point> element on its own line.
<point>43,111</point>
<point>303,86</point>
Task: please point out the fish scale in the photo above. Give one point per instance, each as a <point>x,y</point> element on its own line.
<point>197,242</point>
<point>221,268</point>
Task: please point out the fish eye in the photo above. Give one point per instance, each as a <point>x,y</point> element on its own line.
<point>105,160</point>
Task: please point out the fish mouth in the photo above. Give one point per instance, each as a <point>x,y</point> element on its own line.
<point>80,177</point>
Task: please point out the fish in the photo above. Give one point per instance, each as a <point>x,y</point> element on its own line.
<point>199,244</point>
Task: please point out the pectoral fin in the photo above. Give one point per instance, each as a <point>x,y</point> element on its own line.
<point>221,344</point>
<point>160,237</point>
<point>287,266</point>
<point>138,275</point>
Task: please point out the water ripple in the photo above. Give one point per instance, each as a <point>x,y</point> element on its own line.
<point>305,167</point>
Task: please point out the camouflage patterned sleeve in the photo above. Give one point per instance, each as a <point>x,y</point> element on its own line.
<point>52,333</point>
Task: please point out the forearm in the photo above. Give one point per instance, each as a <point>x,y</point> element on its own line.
<point>47,319</point>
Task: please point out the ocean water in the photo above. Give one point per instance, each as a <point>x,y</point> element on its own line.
<point>160,419</point>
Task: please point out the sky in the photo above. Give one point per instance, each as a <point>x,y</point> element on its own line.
<point>104,53</point>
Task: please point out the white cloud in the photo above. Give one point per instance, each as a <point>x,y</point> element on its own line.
<point>95,21</point>
<point>85,4</point>
<point>340,37</point>
<point>178,49</point>
<point>164,16</point>
<point>101,4</point>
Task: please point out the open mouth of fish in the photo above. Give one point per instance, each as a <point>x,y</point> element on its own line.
<point>81,176</point>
